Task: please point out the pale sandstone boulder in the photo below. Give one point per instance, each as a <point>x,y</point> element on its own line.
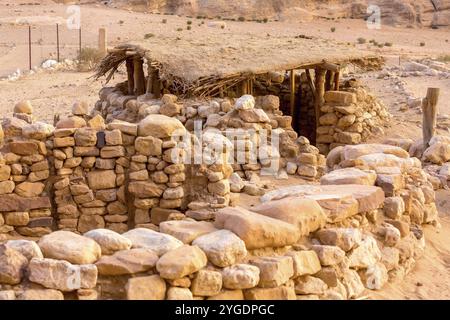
<point>40,294</point>
<point>12,265</point>
<point>71,122</point>
<point>85,137</point>
<point>101,179</point>
<point>344,238</point>
<point>274,271</point>
<point>160,126</point>
<point>109,240</point>
<point>223,248</point>
<point>181,262</point>
<point>38,130</point>
<point>7,187</point>
<point>23,107</point>
<point>366,254</point>
<point>352,283</point>
<point>146,288</point>
<point>240,276</point>
<point>206,283</point>
<point>246,102</point>
<point>65,245</point>
<point>97,123</point>
<point>160,243</point>
<point>341,97</point>
<point>390,257</point>
<point>354,152</point>
<point>335,156</point>
<point>349,176</point>
<point>80,108</point>
<point>148,146</point>
<point>310,285</point>
<point>186,231</point>
<point>329,255</point>
<point>254,115</point>
<point>437,153</point>
<point>127,262</point>
<point>7,294</point>
<point>305,262</point>
<point>124,127</point>
<point>306,214</point>
<point>28,248</point>
<point>145,189</point>
<point>62,275</point>
<point>377,160</point>
<point>375,276</point>
<point>176,293</point>
<point>399,142</point>
<point>394,207</point>
<point>277,293</point>
<point>257,231</point>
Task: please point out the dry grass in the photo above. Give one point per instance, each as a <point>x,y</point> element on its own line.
<point>89,58</point>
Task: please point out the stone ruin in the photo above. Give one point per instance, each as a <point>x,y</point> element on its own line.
<point>117,216</point>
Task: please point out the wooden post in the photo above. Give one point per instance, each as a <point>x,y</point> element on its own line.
<point>320,91</point>
<point>329,79</point>
<point>57,42</point>
<point>292,92</point>
<point>130,76</point>
<point>102,41</point>
<point>29,46</point>
<point>148,88</point>
<point>429,110</point>
<point>156,85</point>
<point>139,77</point>
<point>243,88</point>
<point>337,79</point>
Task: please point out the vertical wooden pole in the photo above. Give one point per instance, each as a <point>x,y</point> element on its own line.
<point>29,46</point>
<point>79,41</point>
<point>329,79</point>
<point>156,86</point>
<point>243,89</point>
<point>429,110</point>
<point>57,42</point>
<point>148,89</point>
<point>292,92</point>
<point>320,91</point>
<point>130,75</point>
<point>139,77</point>
<point>337,79</point>
<point>102,41</point>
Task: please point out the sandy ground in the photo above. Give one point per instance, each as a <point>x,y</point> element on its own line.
<point>54,92</point>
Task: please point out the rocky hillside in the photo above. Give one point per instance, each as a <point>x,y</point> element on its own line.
<point>393,12</point>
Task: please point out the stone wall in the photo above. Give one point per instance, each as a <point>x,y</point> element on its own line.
<point>352,234</point>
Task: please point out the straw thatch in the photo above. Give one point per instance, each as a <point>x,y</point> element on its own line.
<point>202,66</point>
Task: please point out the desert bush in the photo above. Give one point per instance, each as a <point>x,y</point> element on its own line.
<point>333,29</point>
<point>164,21</point>
<point>388,44</point>
<point>88,58</point>
<point>189,22</point>
<point>361,40</point>
<point>422,44</point>
<point>265,20</point>
<point>148,35</point>
<point>241,19</point>
<point>188,28</point>
<point>180,29</point>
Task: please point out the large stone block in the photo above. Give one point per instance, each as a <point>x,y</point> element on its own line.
<point>102,179</point>
<point>181,262</point>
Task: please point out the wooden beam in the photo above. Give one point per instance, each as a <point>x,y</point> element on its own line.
<point>139,77</point>
<point>337,79</point>
<point>292,91</point>
<point>320,91</point>
<point>330,66</point>
<point>130,76</point>
<point>310,81</point>
<point>429,111</point>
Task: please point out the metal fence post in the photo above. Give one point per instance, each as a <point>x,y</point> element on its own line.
<point>57,41</point>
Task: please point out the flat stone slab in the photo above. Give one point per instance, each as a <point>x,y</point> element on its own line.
<point>369,197</point>
<point>13,202</point>
<point>349,176</point>
<point>186,231</point>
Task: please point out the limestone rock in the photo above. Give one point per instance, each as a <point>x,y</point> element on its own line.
<point>148,146</point>
<point>12,265</point>
<point>80,108</point>
<point>127,262</point>
<point>29,189</point>
<point>71,122</point>
<point>38,131</point>
<point>160,243</point>
<point>146,288</point>
<point>246,102</point>
<point>109,240</point>
<point>186,231</point>
<point>160,126</point>
<point>274,271</point>
<point>28,248</point>
<point>206,283</point>
<point>306,214</point>
<point>437,153</point>
<point>101,179</point>
<point>366,254</point>
<point>344,238</point>
<point>349,176</point>
<point>257,231</point>
<point>181,262</point>
<point>310,285</point>
<point>375,276</point>
<point>223,248</point>
<point>329,255</point>
<point>305,262</point>
<point>23,107</point>
<point>62,275</point>
<point>240,276</point>
<point>352,283</point>
<point>176,293</point>
<point>65,245</point>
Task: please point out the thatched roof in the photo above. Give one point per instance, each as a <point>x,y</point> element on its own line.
<point>191,62</point>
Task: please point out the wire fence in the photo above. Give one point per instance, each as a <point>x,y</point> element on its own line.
<point>26,47</point>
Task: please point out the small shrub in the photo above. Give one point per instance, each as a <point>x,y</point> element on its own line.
<point>380,45</point>
<point>88,58</point>
<point>121,22</point>
<point>188,28</point>
<point>445,58</point>
<point>333,29</point>
<point>388,44</point>
<point>189,22</point>
<point>148,35</point>
<point>222,26</point>
<point>241,19</point>
<point>265,20</point>
<point>199,17</point>
<point>164,21</point>
<point>422,44</point>
<point>361,40</point>
<point>180,29</point>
